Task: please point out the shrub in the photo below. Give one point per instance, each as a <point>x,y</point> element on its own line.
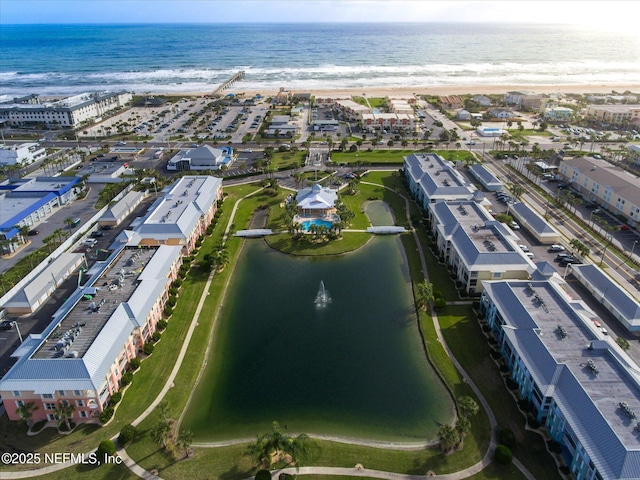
<point>507,437</point>
<point>162,324</point>
<point>554,447</point>
<point>106,415</point>
<point>116,397</point>
<point>156,336</point>
<point>486,328</point>
<point>533,423</point>
<point>134,364</point>
<point>524,405</point>
<point>177,283</point>
<point>263,475</point>
<point>504,368</point>
<point>148,348</point>
<point>126,379</point>
<point>105,449</point>
<point>495,354</point>
<point>171,301</point>
<point>126,435</point>
<point>439,302</point>
<point>167,311</point>
<point>438,294</point>
<point>512,384</point>
<point>503,455</point>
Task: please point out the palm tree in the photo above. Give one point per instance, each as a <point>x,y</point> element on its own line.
<point>463,427</point>
<point>449,438</point>
<point>69,222</point>
<point>270,447</point>
<point>60,234</point>
<point>25,410</point>
<point>64,413</point>
<point>425,294</point>
<point>24,231</point>
<point>160,431</point>
<point>467,406</point>
<point>184,440</point>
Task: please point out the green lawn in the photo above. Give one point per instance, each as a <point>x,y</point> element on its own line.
<point>376,156</point>
<point>281,160</point>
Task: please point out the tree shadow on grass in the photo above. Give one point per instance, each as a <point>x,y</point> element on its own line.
<point>236,473</point>
<point>434,461</point>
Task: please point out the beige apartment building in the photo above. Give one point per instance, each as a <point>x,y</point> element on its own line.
<point>614,114</point>
<point>609,186</point>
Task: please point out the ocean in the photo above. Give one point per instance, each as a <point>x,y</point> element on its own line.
<point>68,59</point>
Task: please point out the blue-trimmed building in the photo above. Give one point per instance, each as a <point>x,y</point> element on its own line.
<point>431,178</point>
<point>580,385</point>
<point>486,177</point>
<point>26,202</point>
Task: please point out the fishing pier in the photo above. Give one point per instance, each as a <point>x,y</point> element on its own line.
<point>236,77</point>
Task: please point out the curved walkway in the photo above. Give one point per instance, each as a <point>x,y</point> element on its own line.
<point>486,460</point>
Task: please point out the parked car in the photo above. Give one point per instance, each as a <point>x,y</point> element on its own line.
<point>604,331</point>
<point>556,248</point>
<point>106,227</point>
<point>97,234</point>
<point>33,233</point>
<point>524,248</point>
<point>515,226</point>
<point>625,227</point>
<point>567,261</point>
<point>7,324</point>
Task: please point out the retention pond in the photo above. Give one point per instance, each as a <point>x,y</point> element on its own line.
<point>353,368</point>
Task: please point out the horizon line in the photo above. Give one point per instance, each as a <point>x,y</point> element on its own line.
<point>306,22</point>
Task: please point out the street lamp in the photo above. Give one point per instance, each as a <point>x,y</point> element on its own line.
<point>15,324</point>
<point>565,271</point>
<point>632,249</point>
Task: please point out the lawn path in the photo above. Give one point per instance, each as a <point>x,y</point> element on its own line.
<point>486,460</point>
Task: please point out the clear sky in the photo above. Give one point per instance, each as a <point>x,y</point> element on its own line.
<point>616,14</point>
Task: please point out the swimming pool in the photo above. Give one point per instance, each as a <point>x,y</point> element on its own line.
<point>316,221</point>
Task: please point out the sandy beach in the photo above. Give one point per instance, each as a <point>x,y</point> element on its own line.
<point>401,92</point>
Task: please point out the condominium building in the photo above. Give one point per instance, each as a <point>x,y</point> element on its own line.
<point>68,112</point>
<point>180,216</point>
<point>581,387</point>
<point>475,246</point>
<point>562,114</point>
<point>605,184</point>
<point>82,354</point>
<point>431,178</point>
<point>614,114</point>
<point>388,121</point>
<point>352,110</point>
